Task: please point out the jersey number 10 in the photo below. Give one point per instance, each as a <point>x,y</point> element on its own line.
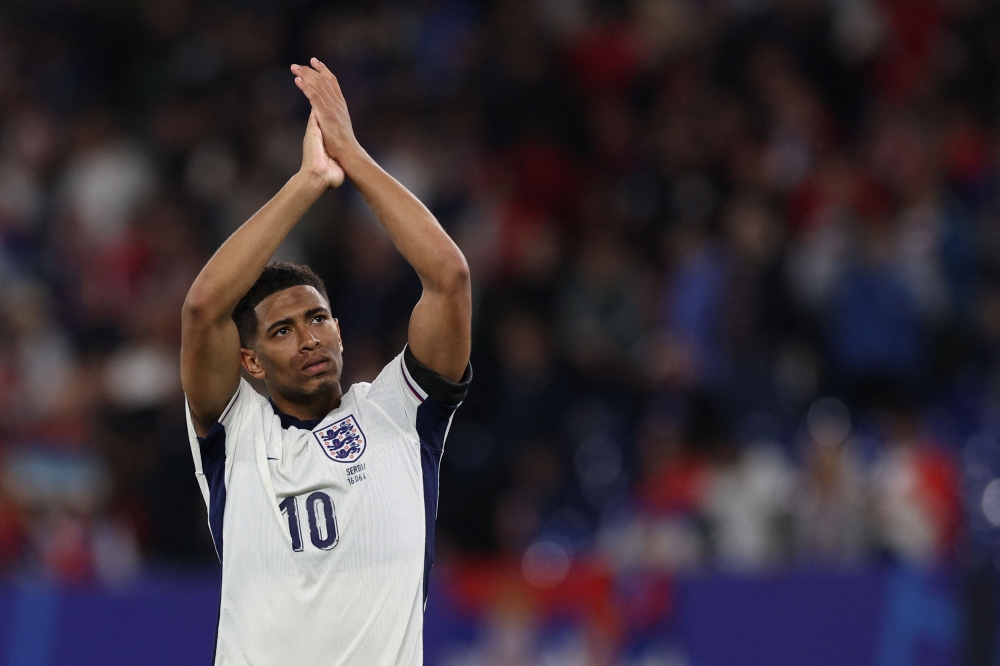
<point>324,536</point>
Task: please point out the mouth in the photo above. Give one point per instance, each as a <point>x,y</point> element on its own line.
<point>316,366</point>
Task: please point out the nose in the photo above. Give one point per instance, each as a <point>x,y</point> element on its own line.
<point>308,341</point>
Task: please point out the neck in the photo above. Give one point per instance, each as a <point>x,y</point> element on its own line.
<point>307,407</point>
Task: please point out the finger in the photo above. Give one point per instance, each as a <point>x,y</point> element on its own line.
<point>308,90</point>
<point>325,72</point>
<point>322,78</point>
<point>321,100</point>
<point>314,123</point>
<point>306,79</point>
<point>307,73</point>
<point>315,87</point>
<point>319,83</point>
<point>319,66</point>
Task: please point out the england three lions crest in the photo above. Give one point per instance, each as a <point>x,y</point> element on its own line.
<point>342,440</point>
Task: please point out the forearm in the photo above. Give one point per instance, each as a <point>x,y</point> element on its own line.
<point>439,334</point>
<point>413,229</point>
<point>239,262</point>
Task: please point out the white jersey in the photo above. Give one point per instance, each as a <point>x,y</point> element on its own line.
<point>325,528</point>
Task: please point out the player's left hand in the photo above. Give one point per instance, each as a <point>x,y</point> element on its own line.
<point>321,87</point>
<point>316,161</point>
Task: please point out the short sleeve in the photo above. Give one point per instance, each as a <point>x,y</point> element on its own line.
<point>211,451</point>
<point>430,383</point>
<point>405,384</point>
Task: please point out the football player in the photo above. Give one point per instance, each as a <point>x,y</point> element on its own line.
<point>322,501</point>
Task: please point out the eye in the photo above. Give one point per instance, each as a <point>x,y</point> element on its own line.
<point>319,317</point>
<point>281,331</point>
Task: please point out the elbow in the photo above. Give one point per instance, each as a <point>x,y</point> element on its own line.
<point>446,273</point>
<point>194,306</point>
<point>460,275</point>
<point>454,276</point>
<point>198,306</point>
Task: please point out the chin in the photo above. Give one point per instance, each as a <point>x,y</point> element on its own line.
<point>320,385</point>
<point>312,388</point>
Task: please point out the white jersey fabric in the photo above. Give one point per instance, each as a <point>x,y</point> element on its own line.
<point>325,528</point>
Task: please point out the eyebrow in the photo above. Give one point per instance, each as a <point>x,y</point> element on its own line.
<point>281,322</point>
<point>315,311</point>
<point>310,313</point>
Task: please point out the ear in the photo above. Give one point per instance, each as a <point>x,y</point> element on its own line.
<point>340,337</point>
<point>251,363</point>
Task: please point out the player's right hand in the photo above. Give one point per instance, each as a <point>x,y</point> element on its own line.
<point>320,86</point>
<point>316,161</point>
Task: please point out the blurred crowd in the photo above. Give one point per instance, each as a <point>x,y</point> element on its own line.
<point>736,267</point>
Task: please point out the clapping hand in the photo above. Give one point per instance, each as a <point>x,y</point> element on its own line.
<point>316,161</point>
<point>320,86</point>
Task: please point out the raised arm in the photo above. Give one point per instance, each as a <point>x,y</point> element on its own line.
<point>210,343</point>
<point>440,332</point>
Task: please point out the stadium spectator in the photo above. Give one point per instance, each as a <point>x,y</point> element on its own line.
<point>663,203</point>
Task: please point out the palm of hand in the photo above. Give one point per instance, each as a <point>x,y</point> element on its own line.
<point>315,157</point>
<point>322,89</point>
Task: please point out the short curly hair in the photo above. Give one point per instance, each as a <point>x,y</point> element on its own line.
<point>276,277</point>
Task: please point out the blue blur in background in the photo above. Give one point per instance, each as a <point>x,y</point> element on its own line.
<point>889,617</point>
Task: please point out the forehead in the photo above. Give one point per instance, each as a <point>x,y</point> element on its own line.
<point>289,303</point>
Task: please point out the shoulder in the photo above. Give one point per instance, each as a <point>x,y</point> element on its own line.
<point>247,398</point>
<point>406,381</point>
<point>218,445</point>
<point>248,410</point>
<point>424,382</point>
<point>359,390</point>
<point>404,386</point>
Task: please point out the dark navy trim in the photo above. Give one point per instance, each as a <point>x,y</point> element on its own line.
<point>218,623</point>
<point>438,387</point>
<point>432,426</point>
<point>213,465</point>
<point>289,421</point>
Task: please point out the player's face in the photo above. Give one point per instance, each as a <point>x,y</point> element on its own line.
<point>298,349</point>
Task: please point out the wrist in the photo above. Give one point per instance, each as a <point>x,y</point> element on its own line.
<point>309,181</point>
<point>350,160</point>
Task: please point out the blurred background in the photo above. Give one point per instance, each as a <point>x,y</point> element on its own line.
<point>737,315</point>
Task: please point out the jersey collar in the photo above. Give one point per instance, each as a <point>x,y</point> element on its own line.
<point>289,421</point>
